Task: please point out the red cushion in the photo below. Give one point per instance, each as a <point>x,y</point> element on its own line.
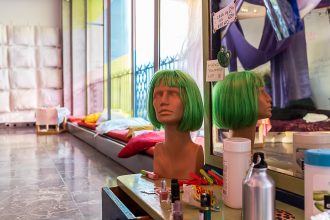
<point>90,126</point>
<point>119,134</point>
<point>75,118</point>
<point>141,143</point>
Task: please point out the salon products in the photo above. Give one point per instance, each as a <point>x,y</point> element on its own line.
<point>150,175</point>
<point>177,213</point>
<point>205,211</point>
<point>236,161</point>
<point>307,140</point>
<point>317,178</point>
<point>175,190</point>
<point>258,192</point>
<point>163,193</point>
<point>206,176</point>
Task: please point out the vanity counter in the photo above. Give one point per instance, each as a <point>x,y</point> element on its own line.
<point>141,191</point>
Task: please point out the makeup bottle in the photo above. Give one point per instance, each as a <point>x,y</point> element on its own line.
<point>177,211</point>
<point>163,194</point>
<point>205,211</point>
<point>175,191</point>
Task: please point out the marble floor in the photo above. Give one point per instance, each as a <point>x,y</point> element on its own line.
<point>51,176</point>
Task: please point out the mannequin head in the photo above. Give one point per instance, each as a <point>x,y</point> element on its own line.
<point>170,103</point>
<point>240,100</point>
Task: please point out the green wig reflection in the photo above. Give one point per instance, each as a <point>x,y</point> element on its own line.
<point>235,100</point>
<point>190,96</point>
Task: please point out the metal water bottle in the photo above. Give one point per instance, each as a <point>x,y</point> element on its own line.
<point>258,191</point>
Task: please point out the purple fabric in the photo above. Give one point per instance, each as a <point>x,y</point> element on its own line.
<point>289,67</point>
<point>289,72</point>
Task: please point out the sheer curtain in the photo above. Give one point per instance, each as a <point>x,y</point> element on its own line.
<point>192,47</point>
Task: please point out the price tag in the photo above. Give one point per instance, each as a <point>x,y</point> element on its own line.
<point>214,72</point>
<point>224,17</point>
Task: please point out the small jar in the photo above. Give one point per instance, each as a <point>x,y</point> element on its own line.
<point>316,181</point>
<point>307,140</point>
<point>236,162</point>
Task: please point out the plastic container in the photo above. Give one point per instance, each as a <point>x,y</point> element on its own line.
<point>307,140</point>
<point>317,180</point>
<point>236,161</point>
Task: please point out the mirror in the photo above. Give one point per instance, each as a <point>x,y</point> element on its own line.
<point>300,87</point>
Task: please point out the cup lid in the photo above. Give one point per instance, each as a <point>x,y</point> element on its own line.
<point>317,157</point>
<point>237,144</point>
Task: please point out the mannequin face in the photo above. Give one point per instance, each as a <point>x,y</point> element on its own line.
<point>264,104</point>
<point>168,105</point>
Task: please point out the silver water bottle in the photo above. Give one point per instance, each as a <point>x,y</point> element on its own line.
<point>258,191</point>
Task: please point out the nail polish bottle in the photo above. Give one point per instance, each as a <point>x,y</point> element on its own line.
<point>163,194</point>
<point>177,211</point>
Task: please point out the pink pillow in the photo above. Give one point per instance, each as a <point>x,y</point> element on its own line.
<point>141,142</point>
<point>119,134</point>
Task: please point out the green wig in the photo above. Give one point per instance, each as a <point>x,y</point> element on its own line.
<point>190,96</point>
<point>235,100</point>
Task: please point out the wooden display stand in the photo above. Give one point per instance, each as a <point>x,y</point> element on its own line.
<point>46,121</point>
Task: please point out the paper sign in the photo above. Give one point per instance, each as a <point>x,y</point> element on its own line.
<point>214,72</point>
<point>224,17</point>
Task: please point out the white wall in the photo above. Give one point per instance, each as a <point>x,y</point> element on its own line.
<point>31,12</point>
<point>30,59</point>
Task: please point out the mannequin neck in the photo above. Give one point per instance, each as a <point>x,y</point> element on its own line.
<point>247,132</point>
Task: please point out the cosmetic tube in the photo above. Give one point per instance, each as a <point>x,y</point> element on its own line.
<point>150,175</point>
<point>205,206</point>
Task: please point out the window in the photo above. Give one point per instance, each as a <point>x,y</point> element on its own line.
<point>95,56</point>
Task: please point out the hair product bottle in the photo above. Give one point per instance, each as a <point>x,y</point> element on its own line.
<point>236,161</point>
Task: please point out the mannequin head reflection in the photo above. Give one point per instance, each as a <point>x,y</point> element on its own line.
<point>239,101</point>
<point>175,104</point>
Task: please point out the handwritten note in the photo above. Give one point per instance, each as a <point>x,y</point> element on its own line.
<point>224,17</point>
<point>214,72</point>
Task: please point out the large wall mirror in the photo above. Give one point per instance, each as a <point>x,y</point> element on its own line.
<point>296,76</point>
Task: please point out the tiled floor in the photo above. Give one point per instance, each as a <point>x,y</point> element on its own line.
<point>51,177</point>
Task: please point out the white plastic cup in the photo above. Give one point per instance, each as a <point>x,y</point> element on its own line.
<point>316,180</point>
<point>236,162</point>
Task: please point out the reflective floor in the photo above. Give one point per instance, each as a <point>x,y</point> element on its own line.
<point>51,176</point>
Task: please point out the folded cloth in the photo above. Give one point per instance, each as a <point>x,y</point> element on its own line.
<point>120,124</point>
<point>133,129</point>
<point>321,216</point>
<point>312,117</point>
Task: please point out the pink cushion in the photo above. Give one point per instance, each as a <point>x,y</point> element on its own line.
<point>119,134</point>
<point>141,143</point>
<point>75,118</point>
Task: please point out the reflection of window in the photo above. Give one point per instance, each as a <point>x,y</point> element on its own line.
<point>95,53</point>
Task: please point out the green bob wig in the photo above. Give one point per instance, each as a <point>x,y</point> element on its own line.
<point>235,100</point>
<point>190,96</point>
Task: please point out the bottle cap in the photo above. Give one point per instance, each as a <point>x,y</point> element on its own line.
<point>317,157</point>
<point>205,200</point>
<point>163,185</point>
<point>259,164</point>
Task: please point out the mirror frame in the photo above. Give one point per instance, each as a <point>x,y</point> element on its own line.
<point>283,181</point>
